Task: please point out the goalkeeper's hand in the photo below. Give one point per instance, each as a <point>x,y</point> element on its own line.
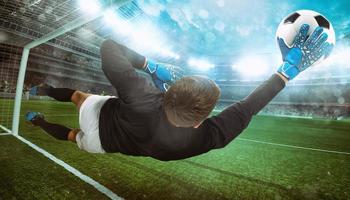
<point>305,51</point>
<point>163,75</point>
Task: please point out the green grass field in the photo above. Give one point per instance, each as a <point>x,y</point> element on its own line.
<point>247,168</point>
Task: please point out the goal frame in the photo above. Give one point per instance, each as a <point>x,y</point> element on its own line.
<point>78,22</point>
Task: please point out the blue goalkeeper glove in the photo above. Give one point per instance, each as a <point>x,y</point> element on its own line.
<point>304,52</point>
<point>163,75</point>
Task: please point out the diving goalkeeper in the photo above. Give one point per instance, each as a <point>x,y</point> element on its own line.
<point>167,119</point>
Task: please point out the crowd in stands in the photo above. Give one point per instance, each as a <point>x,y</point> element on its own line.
<point>66,56</point>
<point>35,78</point>
<point>310,111</point>
<point>329,101</point>
<point>297,94</point>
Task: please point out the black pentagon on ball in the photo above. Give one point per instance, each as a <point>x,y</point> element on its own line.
<point>322,22</point>
<point>291,18</point>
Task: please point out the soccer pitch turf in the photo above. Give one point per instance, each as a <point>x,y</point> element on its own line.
<point>267,161</point>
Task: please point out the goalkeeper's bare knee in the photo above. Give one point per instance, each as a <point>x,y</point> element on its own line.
<point>73,134</point>
<point>79,97</point>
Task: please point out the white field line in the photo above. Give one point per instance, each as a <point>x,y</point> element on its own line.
<point>8,131</point>
<point>72,170</point>
<point>287,116</point>
<point>277,115</point>
<point>295,147</point>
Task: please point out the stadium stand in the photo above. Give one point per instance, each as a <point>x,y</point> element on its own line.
<point>309,98</point>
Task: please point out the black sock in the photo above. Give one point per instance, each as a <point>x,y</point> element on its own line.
<point>60,94</point>
<point>58,131</point>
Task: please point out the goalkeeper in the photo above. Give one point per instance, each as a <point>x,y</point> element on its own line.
<point>168,123</point>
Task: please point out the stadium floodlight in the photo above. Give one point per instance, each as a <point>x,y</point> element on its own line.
<point>110,17</point>
<point>200,64</point>
<point>90,7</point>
<point>340,58</point>
<point>116,23</point>
<point>169,53</point>
<point>143,37</point>
<point>147,38</point>
<point>251,66</point>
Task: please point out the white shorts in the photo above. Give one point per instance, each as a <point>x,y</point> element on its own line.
<point>88,138</point>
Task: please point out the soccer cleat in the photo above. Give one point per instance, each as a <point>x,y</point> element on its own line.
<point>33,117</point>
<point>40,90</point>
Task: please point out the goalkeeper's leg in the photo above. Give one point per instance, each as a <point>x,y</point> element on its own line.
<point>58,131</point>
<point>60,94</point>
<point>111,52</point>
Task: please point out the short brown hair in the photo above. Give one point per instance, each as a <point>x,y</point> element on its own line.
<point>190,100</point>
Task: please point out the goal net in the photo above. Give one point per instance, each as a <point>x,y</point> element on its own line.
<point>10,57</point>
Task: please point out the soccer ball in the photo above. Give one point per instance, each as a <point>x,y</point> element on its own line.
<point>290,26</point>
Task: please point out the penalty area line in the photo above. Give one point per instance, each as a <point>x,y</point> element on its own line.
<point>72,170</point>
<point>296,147</point>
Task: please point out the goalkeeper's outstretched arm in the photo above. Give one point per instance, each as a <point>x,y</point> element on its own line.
<point>304,52</point>
<point>235,118</point>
